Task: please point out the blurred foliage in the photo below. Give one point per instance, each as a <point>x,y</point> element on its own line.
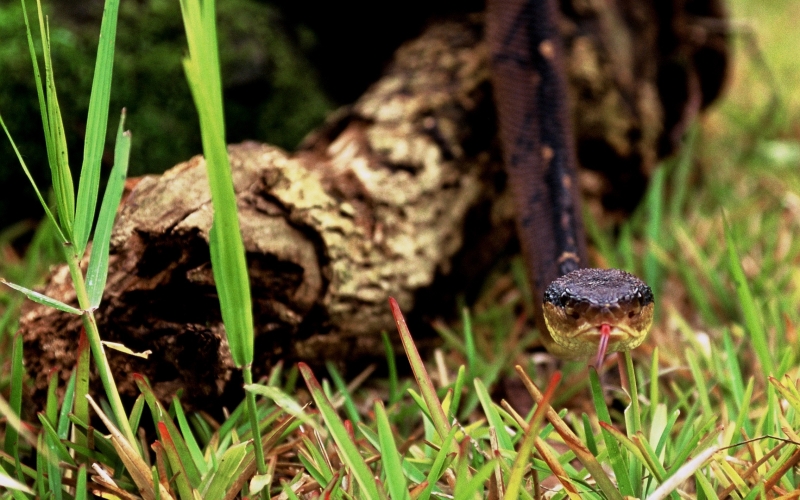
<point>272,93</point>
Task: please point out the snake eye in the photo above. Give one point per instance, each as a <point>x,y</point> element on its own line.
<point>571,312</point>
<point>636,308</point>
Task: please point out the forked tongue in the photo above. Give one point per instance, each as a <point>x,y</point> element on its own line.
<point>605,335</point>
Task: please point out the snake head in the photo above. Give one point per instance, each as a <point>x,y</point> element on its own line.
<point>591,308</point>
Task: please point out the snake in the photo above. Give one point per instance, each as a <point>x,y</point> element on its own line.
<point>582,309</point>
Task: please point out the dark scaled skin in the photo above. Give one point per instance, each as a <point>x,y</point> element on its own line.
<point>578,304</point>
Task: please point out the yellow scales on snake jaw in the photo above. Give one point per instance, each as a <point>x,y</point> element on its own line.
<point>583,310</point>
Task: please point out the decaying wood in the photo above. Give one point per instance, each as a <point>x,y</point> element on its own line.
<point>401,194</point>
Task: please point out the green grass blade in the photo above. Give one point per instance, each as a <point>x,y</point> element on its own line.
<point>51,159</point>
<point>439,465</point>
<point>743,423</point>
<point>97,272</point>
<point>700,380</point>
<point>319,474</point>
<point>410,469</point>
<point>59,160</point>
<point>477,483</point>
<point>682,167</point>
<point>341,386</point>
<point>11,440</point>
<point>96,124</point>
<point>347,449</point>
<point>591,442</point>
<point>392,465</point>
<point>391,366</point>
<point>135,415</point>
<point>618,462</point>
<point>66,404</point>
<point>56,452</point>
<point>226,246</point>
<point>492,416</point>
<point>54,442</point>
<point>176,461</point>
<point>43,299</point>
<point>458,386</point>
<point>755,328</point>
<point>41,467</point>
<point>436,412</point>
<point>655,215</point>
<point>82,370</point>
<point>469,342</point>
<point>227,473</point>
<point>284,401</point>
<point>80,484</point>
<point>188,436</point>
<point>160,416</point>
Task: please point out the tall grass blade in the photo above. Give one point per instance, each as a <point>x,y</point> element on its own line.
<point>437,413</point>
<point>348,451</point>
<point>226,246</point>
<point>56,451</point>
<point>51,153</point>
<point>56,140</point>
<point>493,416</point>
<point>161,417</point>
<point>392,464</point>
<point>758,335</point>
<point>176,461</point>
<point>618,461</point>
<point>11,440</point>
<point>655,215</point>
<point>96,124</point>
<point>391,367</point>
<point>97,271</point>
<point>188,436</point>
<point>80,484</point>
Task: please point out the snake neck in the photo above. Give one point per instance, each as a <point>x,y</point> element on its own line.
<point>536,135</point>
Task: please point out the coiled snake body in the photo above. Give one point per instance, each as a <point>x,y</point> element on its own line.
<point>583,310</point>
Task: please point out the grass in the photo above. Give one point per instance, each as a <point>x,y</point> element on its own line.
<point>708,408</point>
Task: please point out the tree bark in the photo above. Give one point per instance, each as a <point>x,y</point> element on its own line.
<point>400,194</point>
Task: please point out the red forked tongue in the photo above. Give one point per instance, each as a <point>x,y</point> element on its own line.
<point>605,334</point>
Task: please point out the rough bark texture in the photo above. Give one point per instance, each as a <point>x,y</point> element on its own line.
<point>401,194</point>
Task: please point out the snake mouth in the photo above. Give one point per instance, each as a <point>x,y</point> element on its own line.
<point>589,309</point>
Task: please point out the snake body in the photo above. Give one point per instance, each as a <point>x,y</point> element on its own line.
<point>538,148</point>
